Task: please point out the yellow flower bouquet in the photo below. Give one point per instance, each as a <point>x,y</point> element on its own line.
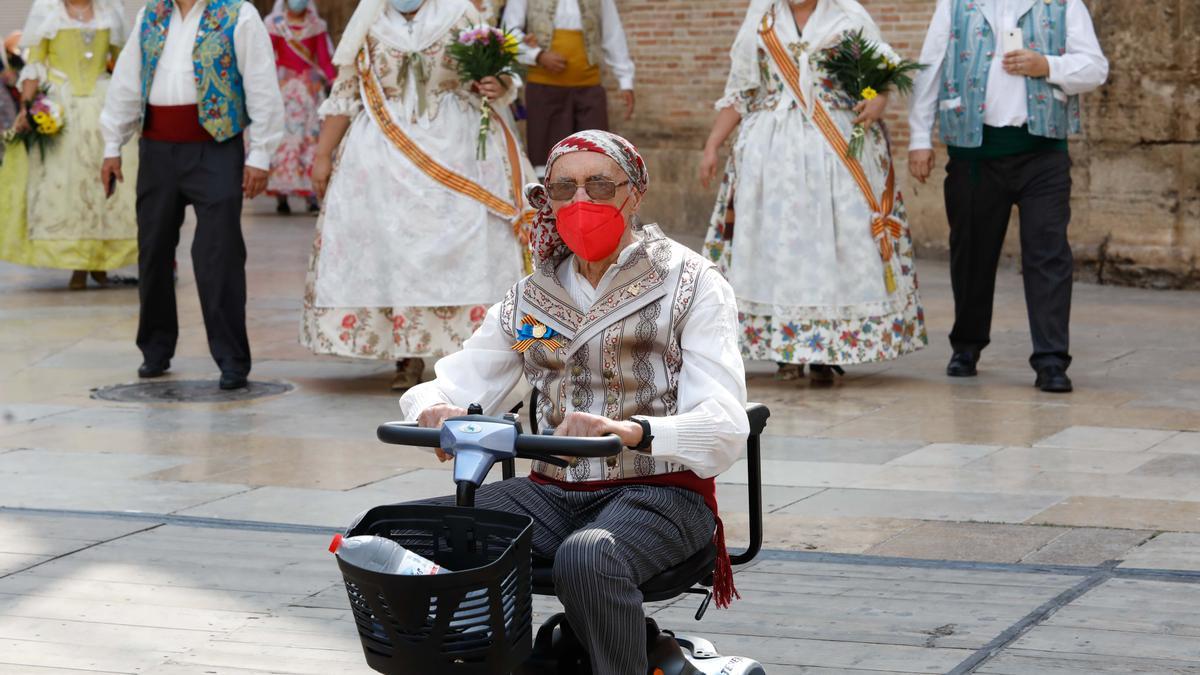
<point>45,123</point>
<point>866,69</point>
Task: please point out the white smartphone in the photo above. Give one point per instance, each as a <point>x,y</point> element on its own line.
<point>1012,40</point>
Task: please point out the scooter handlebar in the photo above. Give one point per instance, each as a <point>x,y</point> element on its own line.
<point>570,446</point>
<point>527,445</point>
<point>408,433</point>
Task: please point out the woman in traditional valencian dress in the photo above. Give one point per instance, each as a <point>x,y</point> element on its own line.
<point>303,58</point>
<point>53,210</point>
<point>417,237</point>
<point>823,273</point>
<point>9,72</point>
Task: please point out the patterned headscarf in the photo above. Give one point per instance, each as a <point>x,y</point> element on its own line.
<point>543,238</point>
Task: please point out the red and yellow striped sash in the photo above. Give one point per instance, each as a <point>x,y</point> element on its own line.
<point>884,227</point>
<point>375,102</point>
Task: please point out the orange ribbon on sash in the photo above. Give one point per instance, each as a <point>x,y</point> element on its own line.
<point>375,103</point>
<point>884,226</point>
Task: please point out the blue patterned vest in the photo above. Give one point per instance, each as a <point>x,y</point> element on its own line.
<point>962,95</point>
<point>219,93</point>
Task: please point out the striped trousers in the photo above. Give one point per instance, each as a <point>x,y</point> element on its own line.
<point>605,544</point>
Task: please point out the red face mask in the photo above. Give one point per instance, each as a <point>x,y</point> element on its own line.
<point>592,231</point>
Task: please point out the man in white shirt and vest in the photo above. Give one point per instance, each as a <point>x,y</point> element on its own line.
<point>563,93</point>
<point>1003,81</point>
<point>620,332</point>
<point>194,76</point>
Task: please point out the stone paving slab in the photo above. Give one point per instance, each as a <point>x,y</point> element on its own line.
<point>1183,443</point>
<point>1105,438</point>
<point>923,505</point>
<point>1169,550</point>
<point>179,597</point>
<point>48,491</point>
<point>945,454</point>
<point>842,450</point>
<point>1090,546</point>
<point>1142,514</point>
<point>1026,662</point>
<point>1039,459</point>
<point>967,541</point>
<point>1172,465</point>
<point>813,533</point>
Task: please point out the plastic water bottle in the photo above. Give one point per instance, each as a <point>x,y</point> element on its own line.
<point>380,554</point>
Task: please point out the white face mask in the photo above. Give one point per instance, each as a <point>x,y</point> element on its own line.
<point>406,6</point>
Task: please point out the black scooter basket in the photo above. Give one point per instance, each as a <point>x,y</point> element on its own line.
<point>476,619</point>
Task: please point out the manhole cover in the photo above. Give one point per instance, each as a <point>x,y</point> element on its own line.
<point>187,391</point>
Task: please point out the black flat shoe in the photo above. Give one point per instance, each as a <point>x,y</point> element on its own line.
<point>1054,380</point>
<point>153,369</point>
<point>282,207</point>
<point>820,374</point>
<point>962,364</point>
<point>233,381</point>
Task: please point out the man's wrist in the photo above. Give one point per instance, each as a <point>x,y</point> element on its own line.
<point>1050,70</point>
<point>638,436</point>
<point>920,141</point>
<point>258,159</point>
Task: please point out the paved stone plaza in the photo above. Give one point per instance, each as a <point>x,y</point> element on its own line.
<point>916,523</point>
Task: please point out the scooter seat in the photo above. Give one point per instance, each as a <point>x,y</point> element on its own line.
<point>665,585</point>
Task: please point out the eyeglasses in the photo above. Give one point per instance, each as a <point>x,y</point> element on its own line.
<point>596,188</point>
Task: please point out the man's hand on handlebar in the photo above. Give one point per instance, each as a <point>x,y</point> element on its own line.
<point>586,424</point>
<point>433,416</point>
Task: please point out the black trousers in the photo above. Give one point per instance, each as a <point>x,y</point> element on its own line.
<point>980,195</point>
<point>208,176</point>
<point>557,112</point>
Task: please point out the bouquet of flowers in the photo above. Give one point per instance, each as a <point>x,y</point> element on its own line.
<point>866,69</point>
<point>45,122</point>
<point>485,51</point>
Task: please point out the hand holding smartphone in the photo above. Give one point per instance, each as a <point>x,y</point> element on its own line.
<point>1012,40</point>
<point>111,187</point>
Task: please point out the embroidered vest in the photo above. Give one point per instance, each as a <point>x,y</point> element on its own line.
<point>220,96</point>
<point>539,22</point>
<point>620,358</point>
<point>962,95</point>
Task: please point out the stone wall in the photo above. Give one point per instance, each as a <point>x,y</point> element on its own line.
<point>1136,200</point>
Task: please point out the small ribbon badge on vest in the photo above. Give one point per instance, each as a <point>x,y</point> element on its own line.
<point>533,332</point>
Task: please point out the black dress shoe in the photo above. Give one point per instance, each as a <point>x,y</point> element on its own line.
<point>233,381</point>
<point>153,369</point>
<point>1053,379</point>
<point>962,364</point>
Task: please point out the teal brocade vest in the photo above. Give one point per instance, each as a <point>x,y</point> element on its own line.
<point>219,94</point>
<point>962,95</point>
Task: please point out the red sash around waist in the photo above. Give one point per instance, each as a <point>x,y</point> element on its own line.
<point>174,124</point>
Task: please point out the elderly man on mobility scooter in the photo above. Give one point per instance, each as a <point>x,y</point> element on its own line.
<point>621,331</point>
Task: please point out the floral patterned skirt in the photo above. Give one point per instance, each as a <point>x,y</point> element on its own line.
<point>845,337</point>
<point>389,333</point>
<point>386,333</point>
<point>291,167</point>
